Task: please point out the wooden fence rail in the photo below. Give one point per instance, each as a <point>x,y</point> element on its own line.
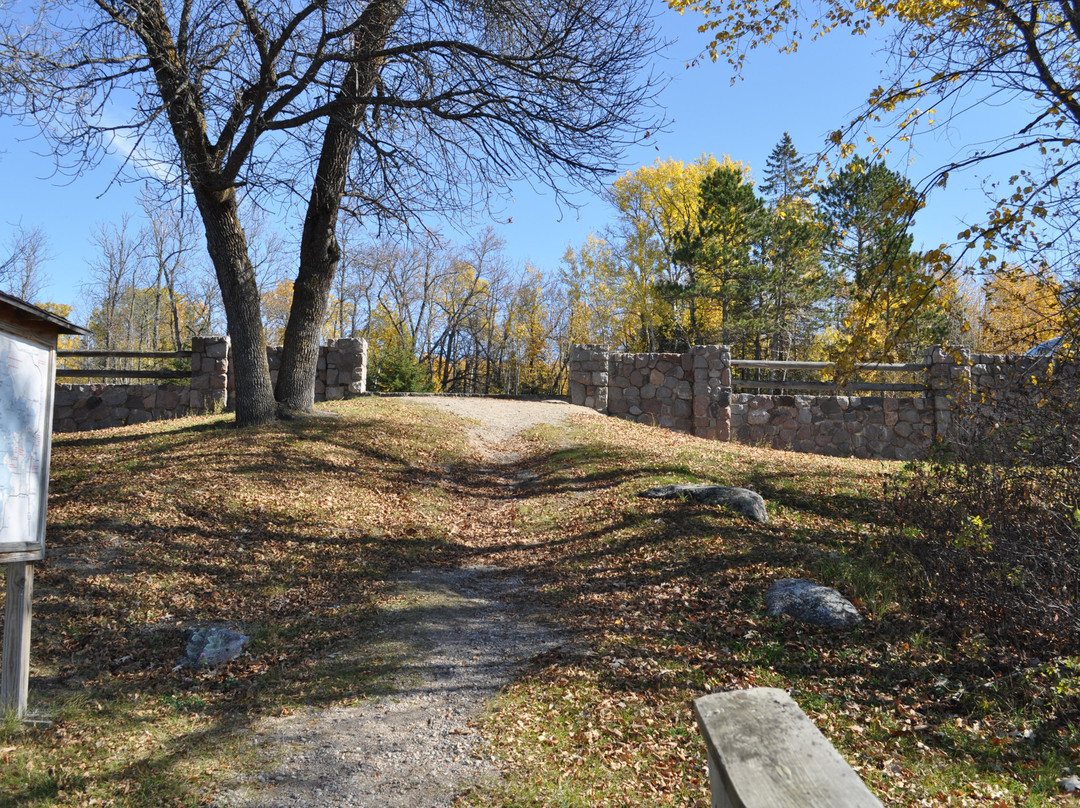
<point>122,373</point>
<point>117,373</point>
<point>765,753</point>
<point>831,388</point>
<point>777,364</point>
<point>126,354</point>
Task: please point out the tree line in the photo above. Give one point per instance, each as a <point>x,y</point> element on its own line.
<point>382,109</point>
<point>786,268</point>
<point>393,110</point>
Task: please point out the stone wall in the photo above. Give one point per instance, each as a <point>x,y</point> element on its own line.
<point>978,393</point>
<point>685,392</point>
<point>342,373</point>
<point>78,407</point>
<point>967,395</point>
<point>589,375</point>
<point>844,426</point>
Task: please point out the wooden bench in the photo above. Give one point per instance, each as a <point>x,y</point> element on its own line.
<point>765,753</point>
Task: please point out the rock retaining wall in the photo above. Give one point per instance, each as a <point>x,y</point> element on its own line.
<point>78,407</point>
<point>342,369</point>
<point>685,392</point>
<point>845,426</point>
<point>967,394</point>
<point>342,373</point>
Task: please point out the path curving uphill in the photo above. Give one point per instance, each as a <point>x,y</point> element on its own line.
<point>466,638</point>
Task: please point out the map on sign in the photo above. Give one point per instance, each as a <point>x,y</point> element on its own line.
<point>25,380</point>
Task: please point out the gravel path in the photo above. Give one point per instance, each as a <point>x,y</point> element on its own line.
<point>467,638</point>
<point>501,422</point>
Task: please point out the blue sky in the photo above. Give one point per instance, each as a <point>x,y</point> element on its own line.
<point>807,94</point>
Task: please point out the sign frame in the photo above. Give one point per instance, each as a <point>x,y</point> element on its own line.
<point>26,323</point>
<point>33,549</point>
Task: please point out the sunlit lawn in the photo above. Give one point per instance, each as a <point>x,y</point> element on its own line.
<point>288,533</point>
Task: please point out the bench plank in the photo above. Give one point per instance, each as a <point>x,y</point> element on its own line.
<point>765,753</point>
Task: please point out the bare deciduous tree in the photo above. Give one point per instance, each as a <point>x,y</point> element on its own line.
<point>170,242</point>
<point>116,270</point>
<point>22,273</point>
<point>392,107</point>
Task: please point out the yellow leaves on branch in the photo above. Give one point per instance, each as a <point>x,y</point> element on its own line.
<point>739,26</point>
<point>1020,309</point>
<point>662,199</point>
<point>276,303</point>
<point>921,11</point>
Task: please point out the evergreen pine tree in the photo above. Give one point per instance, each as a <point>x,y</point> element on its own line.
<point>720,253</point>
<point>795,280</point>
<point>399,371</point>
<point>869,210</point>
<point>787,175</point>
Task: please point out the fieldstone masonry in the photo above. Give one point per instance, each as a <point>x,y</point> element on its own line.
<point>685,392</point>
<point>209,374</point>
<point>342,374</point>
<point>589,375</point>
<point>692,393</point>
<point>342,369</point>
<point>844,426</point>
<point>976,392</point>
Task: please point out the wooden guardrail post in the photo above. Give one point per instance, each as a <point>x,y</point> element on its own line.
<point>765,753</point>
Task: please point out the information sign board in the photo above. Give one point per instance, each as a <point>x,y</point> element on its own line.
<point>26,386</point>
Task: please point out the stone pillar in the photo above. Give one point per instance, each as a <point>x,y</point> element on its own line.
<point>949,380</point>
<point>346,368</point>
<point>589,376</point>
<point>712,391</point>
<point>209,374</point>
<point>320,375</point>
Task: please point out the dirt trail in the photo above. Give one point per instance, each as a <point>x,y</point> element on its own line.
<point>466,637</point>
<point>501,422</point>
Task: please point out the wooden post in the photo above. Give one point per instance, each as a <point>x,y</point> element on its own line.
<point>15,676</point>
<point>765,753</point>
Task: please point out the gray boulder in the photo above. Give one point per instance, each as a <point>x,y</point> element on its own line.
<point>811,603</point>
<point>741,500</point>
<point>1070,784</point>
<point>210,647</point>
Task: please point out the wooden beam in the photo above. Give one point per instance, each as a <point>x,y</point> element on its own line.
<point>99,373</point>
<point>129,354</point>
<point>831,389</point>
<point>15,672</point>
<point>765,753</point>
<point>778,364</point>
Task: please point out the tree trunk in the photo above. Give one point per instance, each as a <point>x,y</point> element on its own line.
<point>215,195</point>
<point>319,257</point>
<point>227,246</point>
<point>320,252</point>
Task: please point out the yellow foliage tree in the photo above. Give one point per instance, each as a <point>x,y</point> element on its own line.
<point>953,56</point>
<point>591,278</point>
<point>893,322</point>
<point>657,205</point>
<point>66,342</point>
<point>530,334</point>
<point>276,303</point>
<point>1020,310</point>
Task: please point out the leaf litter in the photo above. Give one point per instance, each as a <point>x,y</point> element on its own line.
<point>306,534</point>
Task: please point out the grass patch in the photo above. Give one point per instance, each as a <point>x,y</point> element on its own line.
<point>290,532</point>
<point>666,601</point>
<point>286,532</point>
